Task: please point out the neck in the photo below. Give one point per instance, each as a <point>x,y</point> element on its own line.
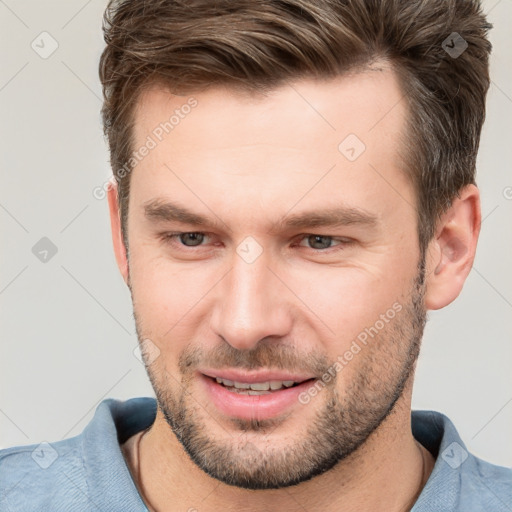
<point>387,473</point>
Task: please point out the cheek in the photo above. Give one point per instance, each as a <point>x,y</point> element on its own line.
<point>166,298</point>
<point>343,302</point>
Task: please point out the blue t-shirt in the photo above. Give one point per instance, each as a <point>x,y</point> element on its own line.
<point>89,473</point>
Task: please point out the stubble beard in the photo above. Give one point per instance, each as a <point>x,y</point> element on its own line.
<point>339,428</point>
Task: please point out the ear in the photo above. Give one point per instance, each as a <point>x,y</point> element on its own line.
<point>452,250</point>
<point>115,225</point>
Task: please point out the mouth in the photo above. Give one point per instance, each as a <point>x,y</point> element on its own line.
<point>260,396</point>
<point>256,388</point>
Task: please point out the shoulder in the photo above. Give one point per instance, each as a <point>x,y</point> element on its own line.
<point>485,484</point>
<point>460,481</point>
<point>41,474</point>
<point>86,472</point>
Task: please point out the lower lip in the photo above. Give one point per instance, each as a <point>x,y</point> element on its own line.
<point>250,407</point>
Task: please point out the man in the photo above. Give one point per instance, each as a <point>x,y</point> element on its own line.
<point>294,190</point>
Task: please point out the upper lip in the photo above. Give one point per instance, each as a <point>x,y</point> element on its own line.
<point>258,376</point>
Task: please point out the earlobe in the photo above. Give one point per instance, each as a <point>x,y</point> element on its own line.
<point>451,252</point>
<point>115,225</point>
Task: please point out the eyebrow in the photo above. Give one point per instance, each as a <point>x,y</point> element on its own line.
<point>164,211</point>
<point>330,217</point>
<point>159,210</point>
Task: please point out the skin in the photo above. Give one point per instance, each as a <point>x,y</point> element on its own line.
<point>246,162</point>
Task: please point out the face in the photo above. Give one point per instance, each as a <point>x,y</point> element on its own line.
<point>275,272</point>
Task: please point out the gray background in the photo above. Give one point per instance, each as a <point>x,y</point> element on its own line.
<point>67,332</point>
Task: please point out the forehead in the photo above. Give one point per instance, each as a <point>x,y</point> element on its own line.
<point>359,101</point>
<point>262,149</point>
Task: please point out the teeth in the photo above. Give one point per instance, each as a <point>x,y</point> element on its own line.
<point>260,386</point>
<point>273,385</point>
<point>226,382</point>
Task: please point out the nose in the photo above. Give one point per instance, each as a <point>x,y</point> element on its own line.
<point>251,305</point>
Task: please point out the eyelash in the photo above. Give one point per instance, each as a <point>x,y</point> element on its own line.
<point>172,238</point>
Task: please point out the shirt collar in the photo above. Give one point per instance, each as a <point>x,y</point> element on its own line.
<point>107,473</point>
<point>115,421</point>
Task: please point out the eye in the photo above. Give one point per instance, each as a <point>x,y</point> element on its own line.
<point>322,242</point>
<point>319,241</point>
<point>191,239</point>
<point>187,239</point>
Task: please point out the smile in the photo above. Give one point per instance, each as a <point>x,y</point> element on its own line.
<point>245,395</point>
<point>256,388</point>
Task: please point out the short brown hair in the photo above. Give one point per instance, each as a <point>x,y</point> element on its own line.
<point>254,45</point>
